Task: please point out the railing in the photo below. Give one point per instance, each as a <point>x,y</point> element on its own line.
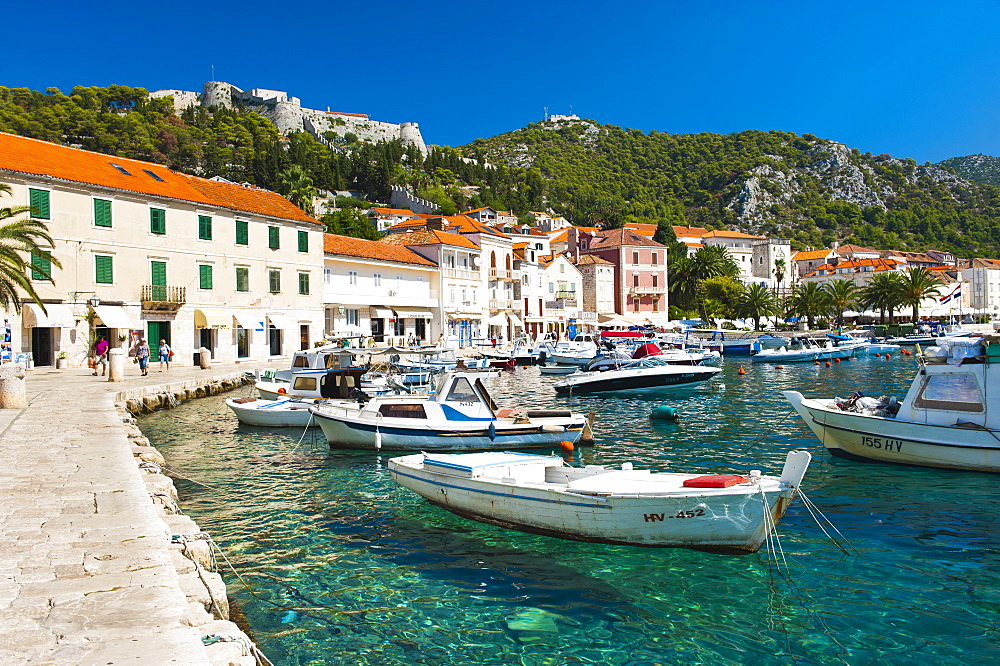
<point>647,290</point>
<point>505,274</point>
<point>501,304</point>
<point>162,297</point>
<point>588,316</point>
<point>460,274</point>
<point>562,293</point>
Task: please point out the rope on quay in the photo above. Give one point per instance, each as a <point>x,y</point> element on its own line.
<point>247,644</point>
<point>163,469</point>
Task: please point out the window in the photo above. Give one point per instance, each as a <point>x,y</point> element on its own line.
<point>272,238</point>
<point>104,269</point>
<point>327,275</point>
<point>304,384</point>
<point>562,268</point>
<point>352,277</point>
<point>274,281</point>
<point>158,280</point>
<point>204,276</point>
<point>352,317</point>
<point>635,305</point>
<point>205,227</point>
<point>153,175</point>
<point>303,241</point>
<point>242,232</point>
<point>303,284</point>
<point>157,221</point>
<point>462,391</point>
<point>378,279</point>
<point>120,168</point>
<point>451,294</point>
<point>39,202</point>
<point>102,212</point>
<point>635,280</point>
<point>655,279</point>
<point>242,278</point>
<point>635,258</point>
<point>552,288</point>
<point>655,259</point>
<point>951,391</point>
<point>41,267</point>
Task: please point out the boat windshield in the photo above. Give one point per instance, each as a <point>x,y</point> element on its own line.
<point>462,391</point>
<point>951,391</point>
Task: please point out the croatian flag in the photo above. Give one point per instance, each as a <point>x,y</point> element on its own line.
<point>955,293</point>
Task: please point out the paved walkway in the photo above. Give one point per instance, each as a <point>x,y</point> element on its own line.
<point>85,572</point>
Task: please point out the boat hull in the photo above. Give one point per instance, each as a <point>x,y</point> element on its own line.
<point>723,524</point>
<point>615,380</point>
<point>258,413</point>
<point>866,438</point>
<point>345,432</point>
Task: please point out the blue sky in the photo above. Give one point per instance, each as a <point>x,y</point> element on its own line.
<point>913,79</point>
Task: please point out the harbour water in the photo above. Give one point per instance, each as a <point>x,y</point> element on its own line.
<point>341,566</point>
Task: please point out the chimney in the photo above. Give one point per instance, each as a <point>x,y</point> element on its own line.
<point>573,244</point>
<point>435,223</point>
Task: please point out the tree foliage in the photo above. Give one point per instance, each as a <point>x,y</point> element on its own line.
<point>20,238</point>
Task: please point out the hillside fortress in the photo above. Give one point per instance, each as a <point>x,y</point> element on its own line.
<point>289,116</point>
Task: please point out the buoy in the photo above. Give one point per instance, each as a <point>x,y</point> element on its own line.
<point>524,367</point>
<point>817,362</point>
<point>779,367</point>
<point>828,364</point>
<point>877,354</point>
<point>281,390</point>
<point>741,371</point>
<point>837,360</point>
<point>664,413</point>
<point>566,446</point>
<point>888,356</point>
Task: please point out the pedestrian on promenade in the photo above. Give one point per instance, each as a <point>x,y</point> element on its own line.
<point>142,353</point>
<point>165,355</point>
<point>101,355</point>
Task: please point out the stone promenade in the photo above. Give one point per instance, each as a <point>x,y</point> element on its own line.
<point>85,568</point>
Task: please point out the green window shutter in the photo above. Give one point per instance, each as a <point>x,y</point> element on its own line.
<point>205,276</point>
<point>242,232</point>
<point>274,281</point>
<point>104,265</point>
<point>304,284</point>
<point>157,221</point>
<point>272,238</point>
<point>41,267</point>
<point>242,279</point>
<point>303,241</point>
<point>39,202</point>
<point>158,280</point>
<point>102,212</point>
<point>205,227</point>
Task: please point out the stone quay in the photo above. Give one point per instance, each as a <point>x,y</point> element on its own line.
<point>97,563</point>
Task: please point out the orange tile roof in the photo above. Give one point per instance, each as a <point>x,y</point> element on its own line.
<point>690,244</point>
<point>520,246</point>
<point>728,234</point>
<point>642,228</point>
<point>476,210</point>
<point>806,255</point>
<point>689,231</point>
<point>428,237</point>
<point>394,211</point>
<point>592,259</point>
<point>854,249</point>
<point>369,249</point>
<point>620,237</point>
<point>408,224</point>
<point>40,158</point>
<point>879,264</point>
<point>467,225</point>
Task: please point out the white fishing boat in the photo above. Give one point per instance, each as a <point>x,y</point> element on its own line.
<point>949,417</point>
<point>287,412</point>
<point>578,351</point>
<point>645,374</point>
<point>319,384</point>
<point>460,416</point>
<point>540,494</point>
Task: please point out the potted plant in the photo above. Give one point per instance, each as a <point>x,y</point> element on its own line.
<point>62,360</point>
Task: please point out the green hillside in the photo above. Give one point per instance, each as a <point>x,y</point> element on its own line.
<point>982,169</point>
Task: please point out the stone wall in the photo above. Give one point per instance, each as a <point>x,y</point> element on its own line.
<point>401,198</point>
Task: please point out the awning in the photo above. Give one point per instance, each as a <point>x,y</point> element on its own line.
<point>211,318</point>
<point>114,316</point>
<point>382,313</point>
<point>279,320</point>
<point>465,315</point>
<point>252,321</point>
<point>410,313</point>
<point>514,320</point>
<point>497,320</point>
<point>58,316</point>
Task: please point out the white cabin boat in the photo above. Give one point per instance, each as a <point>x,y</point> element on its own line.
<point>288,412</point>
<point>950,417</point>
<point>460,416</point>
<point>539,494</point>
<point>785,355</point>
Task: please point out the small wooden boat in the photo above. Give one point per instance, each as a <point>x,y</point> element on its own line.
<point>459,416</point>
<point>540,494</point>
<point>288,412</point>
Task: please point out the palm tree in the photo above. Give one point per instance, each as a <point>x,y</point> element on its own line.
<point>19,240</point>
<point>808,300</point>
<point>843,296</point>
<point>709,262</point>
<point>916,284</point>
<point>779,272</point>
<point>758,302</point>
<point>296,184</point>
<point>884,293</point>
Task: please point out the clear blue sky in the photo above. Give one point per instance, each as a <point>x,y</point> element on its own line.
<point>914,79</point>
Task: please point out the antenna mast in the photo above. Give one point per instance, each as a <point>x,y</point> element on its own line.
<point>546,113</point>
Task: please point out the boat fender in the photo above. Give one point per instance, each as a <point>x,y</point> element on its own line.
<point>493,431</point>
<point>664,413</point>
<point>566,446</point>
<point>282,390</point>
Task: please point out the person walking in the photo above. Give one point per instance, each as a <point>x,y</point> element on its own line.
<point>142,353</point>
<point>165,355</point>
<point>101,355</point>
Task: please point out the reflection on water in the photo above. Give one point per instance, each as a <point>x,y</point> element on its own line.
<point>346,567</point>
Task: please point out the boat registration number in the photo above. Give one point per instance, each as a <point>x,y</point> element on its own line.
<point>883,443</point>
<point>656,517</point>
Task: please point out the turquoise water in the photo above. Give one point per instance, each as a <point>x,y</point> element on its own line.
<point>347,568</point>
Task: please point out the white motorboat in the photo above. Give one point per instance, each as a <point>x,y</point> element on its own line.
<point>558,369</point>
<point>945,419</point>
<point>785,355</point>
<point>460,416</point>
<point>578,351</point>
<point>540,494</point>
<point>881,348</point>
<point>645,374</point>
<point>273,413</point>
<point>336,383</point>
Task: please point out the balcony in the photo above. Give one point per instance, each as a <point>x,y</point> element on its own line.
<point>555,305</point>
<point>652,291</point>
<point>505,275</point>
<point>501,304</point>
<point>460,274</point>
<point>162,297</point>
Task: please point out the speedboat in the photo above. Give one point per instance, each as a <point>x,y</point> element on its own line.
<point>644,374</point>
<point>578,351</point>
<point>724,513</point>
<point>293,412</point>
<point>459,416</point>
<point>945,419</point>
<point>785,355</point>
<point>558,369</point>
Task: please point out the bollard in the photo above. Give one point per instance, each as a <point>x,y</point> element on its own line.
<point>204,358</point>
<point>116,364</point>
<point>13,391</point>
